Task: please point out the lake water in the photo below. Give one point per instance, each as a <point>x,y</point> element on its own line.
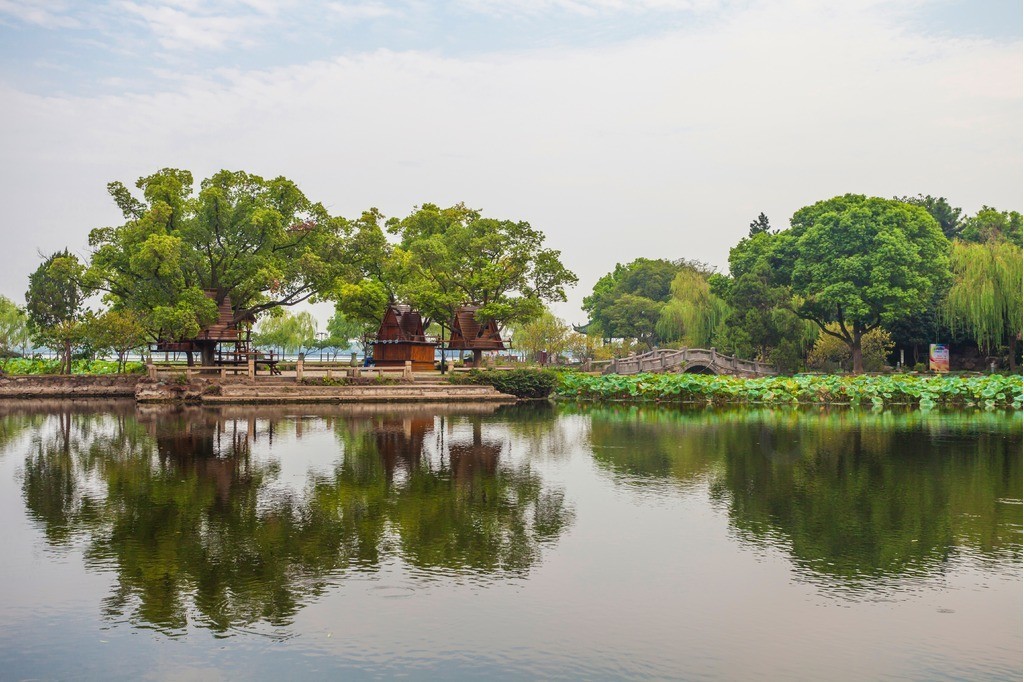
<point>515,542</point>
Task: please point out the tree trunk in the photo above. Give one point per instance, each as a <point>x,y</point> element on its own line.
<point>858,355</point>
<point>207,354</point>
<point>66,368</point>
<point>441,341</point>
<point>478,356</point>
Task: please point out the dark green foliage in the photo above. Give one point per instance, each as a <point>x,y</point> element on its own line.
<point>522,383</point>
<point>859,262</point>
<point>456,256</point>
<point>628,302</point>
<point>760,225</point>
<point>761,324</point>
<point>55,297</point>
<point>991,225</point>
<point>948,218</point>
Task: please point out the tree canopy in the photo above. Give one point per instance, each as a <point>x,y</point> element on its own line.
<point>117,331</point>
<point>260,242</point>
<point>290,333</point>
<point>860,262</point>
<point>760,225</point>
<point>992,225</point>
<point>949,219</point>
<point>544,334</point>
<point>55,299</point>
<point>985,299</point>
<point>627,302</point>
<point>448,257</point>
<point>693,315</point>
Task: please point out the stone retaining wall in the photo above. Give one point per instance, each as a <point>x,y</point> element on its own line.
<point>242,390</point>
<point>69,386</point>
<point>249,392</point>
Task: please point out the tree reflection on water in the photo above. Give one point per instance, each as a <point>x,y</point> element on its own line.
<point>176,504</point>
<point>855,498</point>
<point>189,510</point>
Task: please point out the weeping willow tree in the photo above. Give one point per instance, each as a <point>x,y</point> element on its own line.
<point>693,315</point>
<point>985,300</point>
<point>290,333</point>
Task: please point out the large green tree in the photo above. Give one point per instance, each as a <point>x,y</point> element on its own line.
<point>502,265</point>
<point>260,242</point>
<point>55,299</point>
<point>449,257</point>
<point>627,302</point>
<point>860,262</point>
<point>384,273</point>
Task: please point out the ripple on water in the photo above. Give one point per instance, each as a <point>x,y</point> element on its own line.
<point>391,591</point>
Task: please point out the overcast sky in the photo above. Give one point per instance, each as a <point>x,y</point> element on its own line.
<point>655,128</point>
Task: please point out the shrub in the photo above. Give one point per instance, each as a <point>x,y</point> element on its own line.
<point>522,383</point>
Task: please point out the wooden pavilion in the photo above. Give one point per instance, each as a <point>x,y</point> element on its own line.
<point>224,342</point>
<point>401,338</point>
<point>469,334</point>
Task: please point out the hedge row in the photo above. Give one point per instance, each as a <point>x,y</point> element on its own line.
<point>522,383</point>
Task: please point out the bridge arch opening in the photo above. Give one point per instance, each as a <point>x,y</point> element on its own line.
<point>699,369</point>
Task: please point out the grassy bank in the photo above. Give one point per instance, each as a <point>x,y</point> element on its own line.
<point>900,389</point>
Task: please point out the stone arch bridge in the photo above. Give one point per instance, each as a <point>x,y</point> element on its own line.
<point>682,360</point>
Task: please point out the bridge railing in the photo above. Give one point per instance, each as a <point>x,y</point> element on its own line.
<point>660,360</point>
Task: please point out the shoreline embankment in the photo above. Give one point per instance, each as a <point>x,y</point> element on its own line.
<point>241,390</point>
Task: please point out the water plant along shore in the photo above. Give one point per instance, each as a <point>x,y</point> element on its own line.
<point>992,391</point>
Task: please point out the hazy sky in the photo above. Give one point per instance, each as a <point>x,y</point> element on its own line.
<point>655,128</point>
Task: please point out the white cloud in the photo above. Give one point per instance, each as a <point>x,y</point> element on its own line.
<point>45,13</point>
<point>361,11</point>
<point>586,8</point>
<point>180,26</point>
<point>663,147</point>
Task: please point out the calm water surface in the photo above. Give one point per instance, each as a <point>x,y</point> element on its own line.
<point>524,542</point>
